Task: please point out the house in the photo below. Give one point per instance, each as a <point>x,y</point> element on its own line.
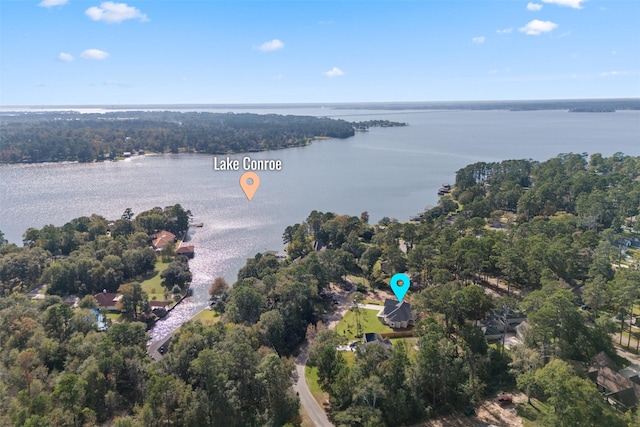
<point>373,338</point>
<point>509,322</point>
<point>107,300</point>
<point>491,332</point>
<point>159,308</point>
<point>397,314</point>
<point>157,304</point>
<point>621,392</point>
<point>161,239</point>
<point>187,251</point>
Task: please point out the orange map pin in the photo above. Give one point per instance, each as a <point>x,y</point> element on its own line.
<point>249,181</point>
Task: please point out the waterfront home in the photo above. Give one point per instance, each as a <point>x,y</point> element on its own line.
<point>161,239</point>
<point>186,250</point>
<point>107,300</point>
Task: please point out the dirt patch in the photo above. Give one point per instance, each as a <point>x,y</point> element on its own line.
<point>488,412</point>
<point>631,357</point>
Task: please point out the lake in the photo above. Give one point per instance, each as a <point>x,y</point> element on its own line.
<point>392,172</point>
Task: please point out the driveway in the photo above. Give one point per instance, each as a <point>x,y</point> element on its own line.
<point>371,306</point>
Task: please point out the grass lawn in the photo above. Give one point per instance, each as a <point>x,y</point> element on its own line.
<point>350,357</point>
<point>115,317</point>
<point>532,415</point>
<point>371,301</point>
<point>311,375</point>
<point>368,321</point>
<point>207,317</point>
<point>152,285</point>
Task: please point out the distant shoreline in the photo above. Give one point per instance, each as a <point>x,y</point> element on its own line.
<point>542,104</point>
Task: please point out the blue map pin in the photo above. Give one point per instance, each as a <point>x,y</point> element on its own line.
<point>400,284</point>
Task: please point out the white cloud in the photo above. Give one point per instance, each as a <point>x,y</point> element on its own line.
<point>334,72</point>
<point>613,73</point>
<point>576,4</point>
<point>52,3</point>
<point>65,57</point>
<point>534,7</point>
<point>96,54</point>
<point>272,45</point>
<point>537,27</point>
<point>505,31</point>
<point>478,40</point>
<point>115,12</point>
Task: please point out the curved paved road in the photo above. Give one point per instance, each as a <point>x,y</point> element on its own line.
<point>315,412</point>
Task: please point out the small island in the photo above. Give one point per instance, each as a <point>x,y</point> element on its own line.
<point>365,125</point>
<point>593,109</point>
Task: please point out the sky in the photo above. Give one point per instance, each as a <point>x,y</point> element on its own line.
<point>90,52</point>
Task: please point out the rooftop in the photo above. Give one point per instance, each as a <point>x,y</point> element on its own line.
<point>395,311</point>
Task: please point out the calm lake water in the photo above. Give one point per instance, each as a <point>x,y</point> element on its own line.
<point>392,172</point>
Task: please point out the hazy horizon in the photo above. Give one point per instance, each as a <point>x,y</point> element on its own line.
<point>62,52</point>
<point>423,103</point>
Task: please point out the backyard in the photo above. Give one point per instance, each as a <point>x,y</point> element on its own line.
<point>153,284</point>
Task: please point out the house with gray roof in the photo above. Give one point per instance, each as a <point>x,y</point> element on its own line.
<point>397,314</point>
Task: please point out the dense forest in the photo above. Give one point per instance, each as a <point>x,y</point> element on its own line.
<point>561,236</point>
<point>70,136</point>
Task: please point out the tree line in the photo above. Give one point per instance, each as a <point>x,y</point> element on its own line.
<point>69,136</point>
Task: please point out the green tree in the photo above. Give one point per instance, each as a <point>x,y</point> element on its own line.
<point>70,392</point>
<point>177,273</point>
<point>134,300</point>
<point>245,304</point>
<point>573,401</point>
<point>57,321</point>
<point>273,376</point>
<point>324,356</point>
<point>369,259</point>
<point>88,302</point>
<point>166,401</point>
<point>271,327</point>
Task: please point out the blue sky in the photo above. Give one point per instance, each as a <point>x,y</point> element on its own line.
<point>61,52</point>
